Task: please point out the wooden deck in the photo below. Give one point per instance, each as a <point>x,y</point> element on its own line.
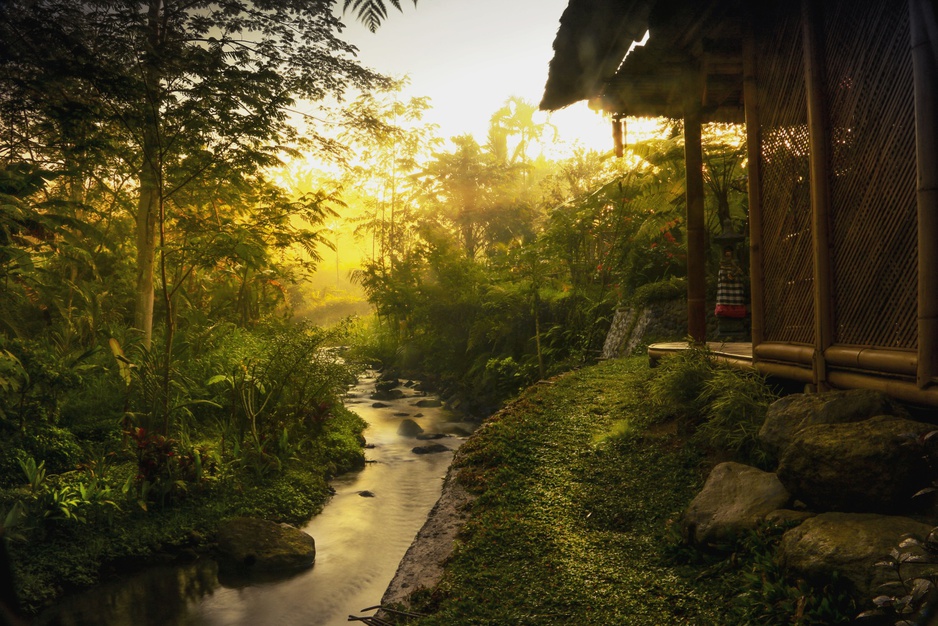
<point>737,354</point>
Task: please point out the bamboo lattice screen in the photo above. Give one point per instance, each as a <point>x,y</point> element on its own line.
<point>872,124</point>
<point>785,194</point>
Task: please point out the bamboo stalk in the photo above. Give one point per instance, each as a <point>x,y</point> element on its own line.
<point>904,362</point>
<point>819,139</point>
<point>902,390</point>
<point>924,27</point>
<point>696,227</point>
<point>785,352</point>
<point>754,154</point>
<point>790,372</point>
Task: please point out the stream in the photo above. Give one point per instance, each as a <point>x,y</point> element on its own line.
<point>360,540</point>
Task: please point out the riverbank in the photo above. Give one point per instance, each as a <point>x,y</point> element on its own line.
<point>62,556</point>
<point>572,492</point>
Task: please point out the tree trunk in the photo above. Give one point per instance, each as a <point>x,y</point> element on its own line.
<point>147,209</point>
<point>150,180</point>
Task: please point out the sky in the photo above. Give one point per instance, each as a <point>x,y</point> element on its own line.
<point>470,56</point>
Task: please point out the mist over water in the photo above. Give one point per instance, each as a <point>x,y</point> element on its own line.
<point>359,541</point>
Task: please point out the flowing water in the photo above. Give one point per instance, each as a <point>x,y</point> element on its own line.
<point>359,541</point>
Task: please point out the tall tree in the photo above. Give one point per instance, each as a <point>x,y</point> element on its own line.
<point>515,120</point>
<point>391,140</point>
<point>472,192</point>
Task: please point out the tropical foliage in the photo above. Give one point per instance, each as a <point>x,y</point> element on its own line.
<point>491,267</point>
<point>154,251</point>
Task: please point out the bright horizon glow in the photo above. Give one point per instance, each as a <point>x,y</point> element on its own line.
<point>470,57</point>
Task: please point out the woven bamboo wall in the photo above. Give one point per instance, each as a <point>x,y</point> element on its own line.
<point>785,198</point>
<point>872,123</point>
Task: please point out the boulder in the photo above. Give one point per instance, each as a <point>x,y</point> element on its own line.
<point>735,497</point>
<point>409,428</point>
<point>430,403</point>
<point>787,416</point>
<point>392,394</point>
<point>387,385</point>
<point>248,543</point>
<point>850,544</point>
<point>864,466</point>
<point>430,449</point>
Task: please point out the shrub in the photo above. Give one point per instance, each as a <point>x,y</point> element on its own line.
<point>736,402</point>
<point>164,468</point>
<point>661,291</point>
<point>724,406</point>
<point>676,390</point>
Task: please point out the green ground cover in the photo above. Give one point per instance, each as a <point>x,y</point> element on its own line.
<point>579,484</point>
<point>575,495</point>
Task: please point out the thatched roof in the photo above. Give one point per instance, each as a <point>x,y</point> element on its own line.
<point>687,38</point>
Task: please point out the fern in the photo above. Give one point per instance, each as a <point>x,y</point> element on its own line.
<point>371,12</point>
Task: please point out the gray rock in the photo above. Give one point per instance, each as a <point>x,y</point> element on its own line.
<point>428,403</point>
<point>409,428</point>
<point>260,545</point>
<point>428,436</point>
<point>431,449</point>
<point>735,497</point>
<point>787,416</point>
<point>863,466</point>
<point>366,494</point>
<point>380,405</point>
<point>848,543</point>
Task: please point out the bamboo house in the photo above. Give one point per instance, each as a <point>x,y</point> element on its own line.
<point>840,102</point>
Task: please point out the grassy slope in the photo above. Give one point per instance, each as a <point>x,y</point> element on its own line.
<point>568,525</point>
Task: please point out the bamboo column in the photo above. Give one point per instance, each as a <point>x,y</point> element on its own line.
<point>696,227</point>
<point>618,134</point>
<point>754,154</point>
<point>924,26</point>
<point>819,141</point>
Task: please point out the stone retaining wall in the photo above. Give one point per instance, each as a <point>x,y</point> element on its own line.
<point>634,327</point>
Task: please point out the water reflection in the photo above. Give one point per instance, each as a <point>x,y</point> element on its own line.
<point>359,541</point>
<point>159,595</point>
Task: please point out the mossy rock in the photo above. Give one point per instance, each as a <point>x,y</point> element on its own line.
<point>865,466</point>
<point>248,543</point>
<point>789,415</point>
<point>850,544</point>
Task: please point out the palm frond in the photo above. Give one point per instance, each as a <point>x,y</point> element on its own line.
<point>371,12</point>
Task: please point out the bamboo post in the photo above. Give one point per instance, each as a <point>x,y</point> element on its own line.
<point>618,135</point>
<point>924,26</point>
<point>754,153</point>
<point>819,141</point>
<point>696,227</point>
